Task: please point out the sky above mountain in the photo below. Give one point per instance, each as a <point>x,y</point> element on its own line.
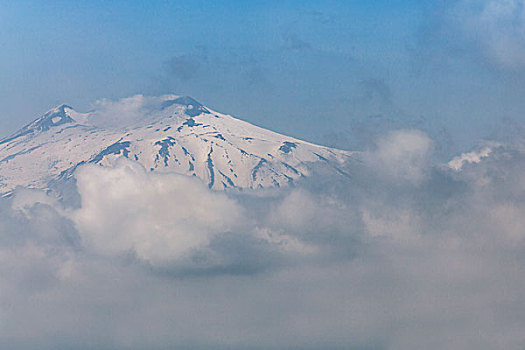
<point>331,72</point>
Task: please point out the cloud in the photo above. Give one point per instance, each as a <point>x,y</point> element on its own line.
<point>498,26</point>
<point>375,91</point>
<point>159,217</point>
<point>125,111</point>
<point>184,67</point>
<point>320,16</point>
<point>469,157</point>
<point>402,155</point>
<point>404,254</point>
<point>493,29</point>
<point>173,223</point>
<point>110,113</point>
<point>204,70</point>
<point>292,41</point>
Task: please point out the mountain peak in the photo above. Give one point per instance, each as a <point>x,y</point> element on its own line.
<point>61,107</point>
<point>193,107</point>
<point>57,116</point>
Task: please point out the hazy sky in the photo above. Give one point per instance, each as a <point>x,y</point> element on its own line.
<point>331,72</point>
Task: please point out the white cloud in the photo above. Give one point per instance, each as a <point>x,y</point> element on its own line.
<point>402,155</point>
<point>160,217</point>
<point>125,111</point>
<point>469,157</point>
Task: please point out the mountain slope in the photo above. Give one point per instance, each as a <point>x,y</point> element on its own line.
<point>166,134</point>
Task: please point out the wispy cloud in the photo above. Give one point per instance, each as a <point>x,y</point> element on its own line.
<point>184,67</point>
<point>376,91</point>
<point>497,26</point>
<point>292,41</point>
<point>493,29</point>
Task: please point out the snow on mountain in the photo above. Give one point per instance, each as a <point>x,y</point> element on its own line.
<point>165,134</point>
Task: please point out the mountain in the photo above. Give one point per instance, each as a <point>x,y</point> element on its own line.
<point>165,134</point>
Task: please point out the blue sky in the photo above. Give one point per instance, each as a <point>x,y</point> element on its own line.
<point>332,72</point>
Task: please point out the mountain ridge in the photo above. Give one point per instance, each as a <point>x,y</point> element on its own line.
<point>168,133</point>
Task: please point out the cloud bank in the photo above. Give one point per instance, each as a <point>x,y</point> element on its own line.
<point>404,254</point>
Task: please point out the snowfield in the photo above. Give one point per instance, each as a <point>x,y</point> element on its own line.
<point>164,134</point>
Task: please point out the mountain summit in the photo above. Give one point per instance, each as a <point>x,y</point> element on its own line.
<point>166,134</point>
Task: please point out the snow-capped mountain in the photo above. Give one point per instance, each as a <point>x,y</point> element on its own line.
<point>166,134</point>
